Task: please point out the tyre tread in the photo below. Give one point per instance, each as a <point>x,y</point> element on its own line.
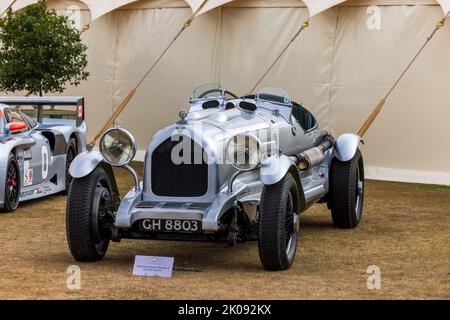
<point>342,196</point>
<point>80,235</point>
<point>272,225</point>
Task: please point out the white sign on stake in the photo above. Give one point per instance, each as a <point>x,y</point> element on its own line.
<point>148,266</point>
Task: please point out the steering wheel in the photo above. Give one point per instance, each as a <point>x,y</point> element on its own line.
<point>204,94</point>
<point>231,94</point>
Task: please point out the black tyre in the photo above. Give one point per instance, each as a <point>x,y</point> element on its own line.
<point>279,224</point>
<point>347,191</point>
<point>12,185</point>
<point>70,155</point>
<point>89,216</point>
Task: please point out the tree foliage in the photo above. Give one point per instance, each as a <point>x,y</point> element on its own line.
<point>40,52</point>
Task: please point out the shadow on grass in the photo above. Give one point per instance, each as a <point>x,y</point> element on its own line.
<point>312,223</point>
<point>194,256</point>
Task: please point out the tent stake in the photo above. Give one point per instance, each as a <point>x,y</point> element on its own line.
<point>370,120</point>
<point>304,25</point>
<point>130,95</point>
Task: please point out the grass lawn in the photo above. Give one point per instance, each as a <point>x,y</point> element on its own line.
<point>405,231</point>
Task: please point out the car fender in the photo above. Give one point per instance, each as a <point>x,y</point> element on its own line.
<point>346,146</point>
<point>274,168</point>
<point>7,146</point>
<point>68,132</point>
<point>65,130</point>
<point>5,150</point>
<point>86,162</point>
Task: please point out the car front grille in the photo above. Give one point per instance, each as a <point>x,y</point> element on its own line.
<point>188,179</point>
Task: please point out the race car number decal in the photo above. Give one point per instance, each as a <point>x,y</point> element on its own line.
<point>27,174</point>
<point>27,154</point>
<point>186,226</point>
<point>35,191</point>
<point>44,162</point>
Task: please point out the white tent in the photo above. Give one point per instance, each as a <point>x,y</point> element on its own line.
<point>339,68</point>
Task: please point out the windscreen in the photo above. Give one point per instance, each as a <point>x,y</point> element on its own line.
<point>59,114</point>
<point>52,114</point>
<point>208,91</point>
<point>275,95</point>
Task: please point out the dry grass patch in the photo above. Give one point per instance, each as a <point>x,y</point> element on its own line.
<point>405,231</point>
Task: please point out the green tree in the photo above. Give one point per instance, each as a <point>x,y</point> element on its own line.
<point>40,52</point>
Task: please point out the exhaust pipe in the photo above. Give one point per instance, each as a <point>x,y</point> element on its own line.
<point>316,155</point>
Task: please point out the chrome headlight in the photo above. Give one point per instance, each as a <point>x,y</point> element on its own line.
<point>118,147</point>
<point>244,152</point>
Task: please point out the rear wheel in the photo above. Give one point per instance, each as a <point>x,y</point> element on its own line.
<point>89,216</point>
<point>347,191</point>
<point>70,156</point>
<point>12,185</point>
<point>279,224</point>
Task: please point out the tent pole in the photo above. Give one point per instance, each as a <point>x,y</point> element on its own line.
<point>130,95</point>
<point>370,120</point>
<point>304,25</point>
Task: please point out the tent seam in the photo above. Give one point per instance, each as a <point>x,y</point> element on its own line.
<point>333,56</point>
<point>116,46</point>
<point>219,61</point>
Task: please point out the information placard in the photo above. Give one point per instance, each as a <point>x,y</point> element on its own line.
<point>150,266</point>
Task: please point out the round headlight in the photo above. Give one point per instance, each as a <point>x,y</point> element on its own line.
<point>244,152</point>
<point>118,147</point>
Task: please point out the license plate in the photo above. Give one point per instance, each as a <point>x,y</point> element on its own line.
<point>166,225</point>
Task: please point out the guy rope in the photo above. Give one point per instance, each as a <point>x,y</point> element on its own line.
<point>368,123</point>
<point>7,8</point>
<point>130,95</point>
<point>304,25</point>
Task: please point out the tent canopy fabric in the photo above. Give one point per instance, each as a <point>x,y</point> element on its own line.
<point>445,5</point>
<point>338,69</point>
<point>99,8</point>
<point>14,4</point>
<point>210,5</point>
<point>317,6</point>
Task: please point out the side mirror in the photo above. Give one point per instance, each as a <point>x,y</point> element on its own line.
<point>15,127</point>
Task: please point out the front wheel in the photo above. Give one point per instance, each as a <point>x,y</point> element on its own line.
<point>12,185</point>
<point>347,191</point>
<point>89,216</point>
<point>279,224</point>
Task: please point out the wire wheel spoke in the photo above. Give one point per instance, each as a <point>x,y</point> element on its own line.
<point>105,218</point>
<point>69,159</point>
<point>11,184</point>
<point>70,156</point>
<point>289,224</point>
<point>359,190</point>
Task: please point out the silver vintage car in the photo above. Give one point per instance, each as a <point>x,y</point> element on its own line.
<point>231,169</point>
<point>39,138</point>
